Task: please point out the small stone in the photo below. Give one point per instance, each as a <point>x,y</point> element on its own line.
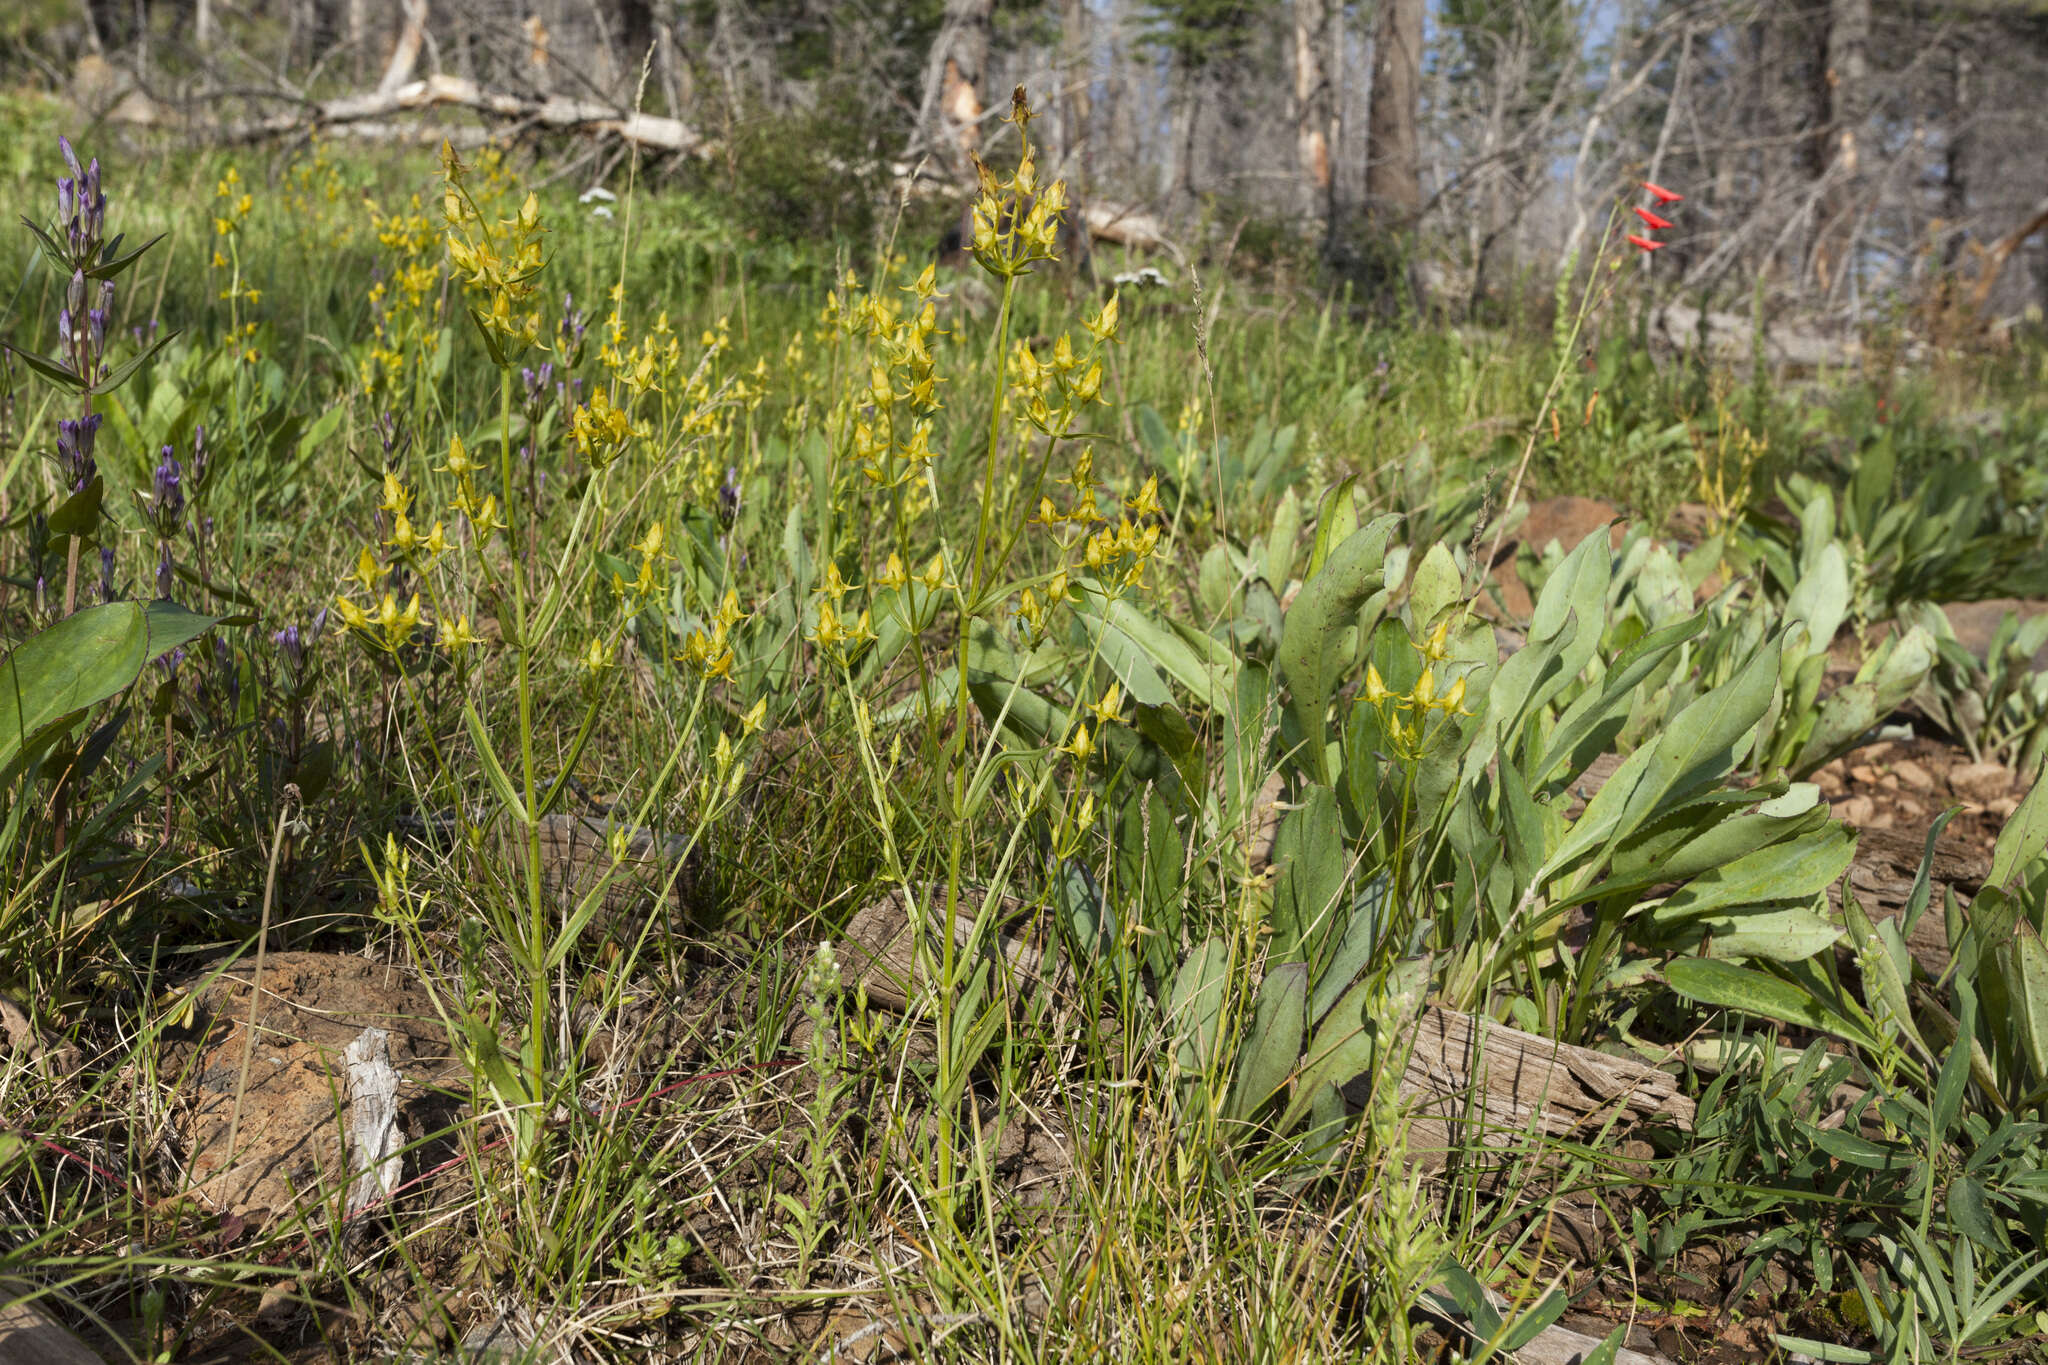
<point>1913,775</point>
<point>1983,782</point>
<point>1863,775</point>
<point>1856,810</point>
<point>1888,782</point>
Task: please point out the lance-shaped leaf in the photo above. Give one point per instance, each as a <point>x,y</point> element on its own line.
<point>1316,637</point>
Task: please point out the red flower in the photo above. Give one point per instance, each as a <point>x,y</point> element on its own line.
<point>1663,195</point>
<point>1644,242</point>
<point>1652,220</point>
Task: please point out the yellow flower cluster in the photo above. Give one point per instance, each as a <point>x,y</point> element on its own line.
<point>709,653</point>
<point>601,431</point>
<point>1405,715</point>
<point>1106,711</point>
<point>1050,394</point>
<point>231,206</point>
<point>892,435</point>
<point>405,308</point>
<point>835,633</point>
<point>502,264</point>
<point>1015,223</point>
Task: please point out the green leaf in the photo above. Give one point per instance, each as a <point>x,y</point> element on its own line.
<point>1713,982</point>
<point>54,676</point>
<point>1437,586</point>
<point>1274,1043</point>
<point>1793,870</point>
<point>119,375</point>
<point>1326,610</point>
<point>79,514</point>
<point>494,772</point>
<point>1195,1009</point>
<point>1857,1151</point>
<point>1310,862</point>
<point>2029,959</point>
<point>109,268</point>
<point>2024,837</point>
<point>48,369</point>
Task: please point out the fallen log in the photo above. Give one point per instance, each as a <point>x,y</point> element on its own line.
<point>1464,1075</point>
<point>560,113</point>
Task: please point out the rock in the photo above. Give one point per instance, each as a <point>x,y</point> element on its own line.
<point>1913,775</point>
<point>1856,810</point>
<point>1690,522</point>
<point>1567,521</point>
<point>290,1135</point>
<point>1981,782</point>
<point>1975,623</point>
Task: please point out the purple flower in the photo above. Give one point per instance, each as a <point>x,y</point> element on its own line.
<point>107,590</point>
<point>167,494</point>
<point>81,206</point>
<point>729,498</point>
<point>292,645</point>
<point>75,440</point>
<point>166,577</point>
<point>199,456</point>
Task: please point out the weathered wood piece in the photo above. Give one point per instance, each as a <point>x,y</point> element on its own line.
<point>881,947</point>
<point>1471,1078</point>
<point>30,1336</point>
<point>1887,862</point>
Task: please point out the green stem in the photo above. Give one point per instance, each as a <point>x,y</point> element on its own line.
<point>522,652</point>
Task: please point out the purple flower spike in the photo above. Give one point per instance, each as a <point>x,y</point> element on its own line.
<point>75,439</point>
<point>292,645</point>
<point>166,578</point>
<point>167,495</point>
<point>106,573</point>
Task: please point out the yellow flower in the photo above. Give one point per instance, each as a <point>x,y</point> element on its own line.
<point>352,616</point>
<point>396,498</point>
<point>835,586</point>
<point>1453,702</point>
<point>1081,745</point>
<point>1375,686</point>
<point>1147,501</point>
<point>892,574</point>
<point>1437,647</point>
<point>1104,325</point>
<point>755,717</point>
<point>1105,711</point>
<point>933,575</point>
<point>459,464</point>
<point>459,636</point>
<point>597,658</point>
<point>367,570</point>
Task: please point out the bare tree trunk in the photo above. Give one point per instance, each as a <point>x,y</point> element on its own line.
<point>949,118</point>
<point>1393,178</point>
<point>1843,78</point>
<point>1077,69</point>
<point>1314,100</point>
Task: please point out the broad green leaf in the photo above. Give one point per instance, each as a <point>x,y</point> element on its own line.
<point>1772,933</point>
<point>1279,1026</point>
<point>55,675</point>
<point>1309,861</point>
<point>1322,615</point>
<point>1714,982</point>
<point>1128,660</point>
<point>2024,837</point>
<point>1792,870</point>
<point>1195,1008</point>
<point>1437,586</point>
<point>2030,962</point>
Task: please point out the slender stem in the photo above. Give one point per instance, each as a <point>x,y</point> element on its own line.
<point>522,653</point>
